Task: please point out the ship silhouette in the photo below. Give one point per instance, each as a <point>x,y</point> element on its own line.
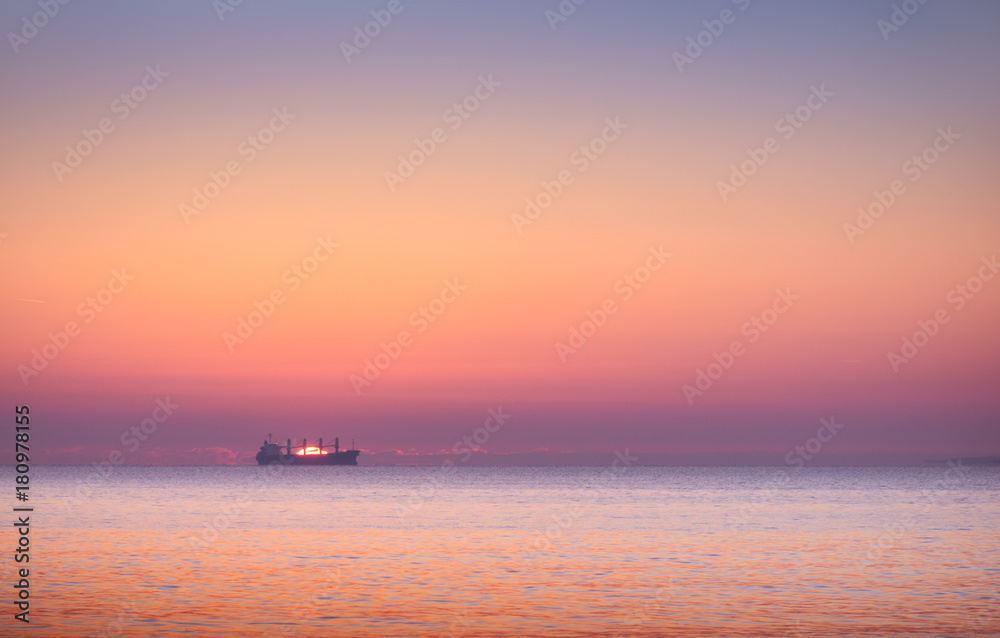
<point>271,452</point>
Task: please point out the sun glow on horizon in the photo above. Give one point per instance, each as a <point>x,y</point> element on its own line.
<point>311,450</point>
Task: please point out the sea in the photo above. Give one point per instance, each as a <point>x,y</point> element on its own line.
<point>452,551</point>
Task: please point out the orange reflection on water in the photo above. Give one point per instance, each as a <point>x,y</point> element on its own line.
<point>217,551</point>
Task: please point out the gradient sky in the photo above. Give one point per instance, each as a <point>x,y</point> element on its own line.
<point>656,186</point>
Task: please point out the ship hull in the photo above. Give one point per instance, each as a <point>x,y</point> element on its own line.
<point>347,457</point>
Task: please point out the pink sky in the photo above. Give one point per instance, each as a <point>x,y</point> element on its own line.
<point>465,296</point>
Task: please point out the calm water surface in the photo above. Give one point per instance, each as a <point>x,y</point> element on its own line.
<point>417,551</point>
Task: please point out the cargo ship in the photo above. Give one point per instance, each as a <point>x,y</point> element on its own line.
<point>271,452</point>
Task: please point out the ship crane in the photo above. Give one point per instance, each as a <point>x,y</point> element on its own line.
<point>272,452</point>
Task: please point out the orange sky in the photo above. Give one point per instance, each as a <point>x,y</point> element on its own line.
<point>316,177</point>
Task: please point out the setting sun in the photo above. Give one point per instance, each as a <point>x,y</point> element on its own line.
<point>311,450</point>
